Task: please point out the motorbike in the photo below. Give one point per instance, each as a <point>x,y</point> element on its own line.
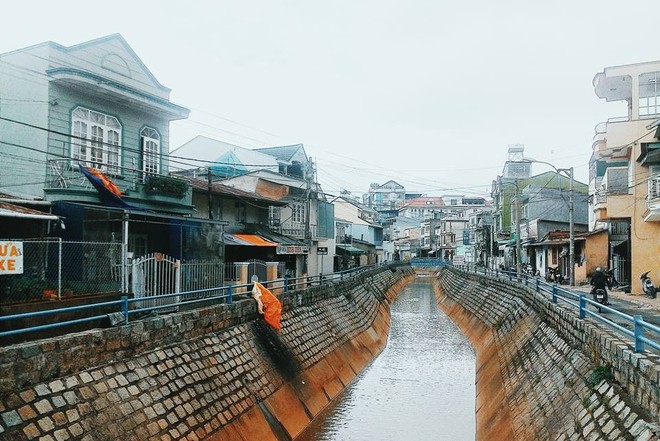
<point>599,297</point>
<point>648,287</point>
<point>553,275</point>
<point>612,283</point>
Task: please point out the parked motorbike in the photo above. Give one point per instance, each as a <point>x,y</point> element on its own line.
<point>612,283</point>
<point>553,275</point>
<point>648,287</point>
<point>599,297</point>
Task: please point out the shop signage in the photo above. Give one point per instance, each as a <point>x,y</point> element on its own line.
<point>292,249</point>
<point>322,251</point>
<point>11,257</point>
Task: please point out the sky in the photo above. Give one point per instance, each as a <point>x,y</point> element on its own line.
<point>426,93</point>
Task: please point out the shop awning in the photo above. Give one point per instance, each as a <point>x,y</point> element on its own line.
<point>350,249</point>
<point>249,240</point>
<point>18,212</point>
<point>285,244</point>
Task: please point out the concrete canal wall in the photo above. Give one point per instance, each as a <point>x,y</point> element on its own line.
<point>544,374</point>
<point>215,373</point>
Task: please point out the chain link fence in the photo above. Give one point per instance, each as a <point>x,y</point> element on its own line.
<point>57,269</point>
<point>60,269</point>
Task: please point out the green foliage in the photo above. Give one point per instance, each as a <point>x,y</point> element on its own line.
<point>165,185</point>
<point>603,372</point>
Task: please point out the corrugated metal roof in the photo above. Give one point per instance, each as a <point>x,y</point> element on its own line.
<point>206,151</point>
<point>283,153</point>
<point>11,210</point>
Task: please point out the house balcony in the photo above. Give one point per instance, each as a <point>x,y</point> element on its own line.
<point>297,230</point>
<point>653,200</point>
<point>612,86</point>
<point>611,193</point>
<point>65,182</point>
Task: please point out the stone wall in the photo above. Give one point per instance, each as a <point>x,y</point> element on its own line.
<point>563,378</point>
<point>214,373</point>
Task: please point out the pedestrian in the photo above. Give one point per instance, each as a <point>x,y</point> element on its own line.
<point>599,281</point>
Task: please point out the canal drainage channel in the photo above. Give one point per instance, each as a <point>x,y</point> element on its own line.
<point>420,387</point>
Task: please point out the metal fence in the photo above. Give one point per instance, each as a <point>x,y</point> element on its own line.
<point>202,274</point>
<point>642,334</point>
<point>139,307</point>
<point>59,269</point>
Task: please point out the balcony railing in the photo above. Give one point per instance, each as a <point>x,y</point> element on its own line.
<point>65,175</point>
<point>654,188</point>
<point>297,230</point>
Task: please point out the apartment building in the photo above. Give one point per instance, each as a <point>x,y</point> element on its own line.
<point>624,177</point>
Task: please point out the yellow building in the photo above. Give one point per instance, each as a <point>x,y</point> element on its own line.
<point>624,177</point>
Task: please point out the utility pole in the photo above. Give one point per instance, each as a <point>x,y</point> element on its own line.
<point>571,227</point>
<point>571,207</point>
<point>210,193</point>
<point>517,228</point>
<point>309,176</point>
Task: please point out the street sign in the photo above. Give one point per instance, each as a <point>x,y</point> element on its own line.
<point>322,251</point>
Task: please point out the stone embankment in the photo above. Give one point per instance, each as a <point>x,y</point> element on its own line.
<point>216,373</point>
<point>542,373</point>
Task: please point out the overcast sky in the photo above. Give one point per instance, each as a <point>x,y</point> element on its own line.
<point>428,93</point>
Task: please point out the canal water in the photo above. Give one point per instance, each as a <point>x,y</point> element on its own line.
<point>420,388</point>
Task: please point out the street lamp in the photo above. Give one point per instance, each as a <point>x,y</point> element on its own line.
<point>571,227</point>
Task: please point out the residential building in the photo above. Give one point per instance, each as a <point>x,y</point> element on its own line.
<point>363,232</point>
<point>624,172</point>
<point>444,228</point>
<point>480,227</point>
<point>299,220</point>
<point>85,131</point>
<point>389,196</point>
<point>95,105</point>
<point>536,206</point>
<point>421,207</point>
<point>405,234</point>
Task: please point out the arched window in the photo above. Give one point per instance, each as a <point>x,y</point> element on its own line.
<point>150,145</point>
<point>96,140</point>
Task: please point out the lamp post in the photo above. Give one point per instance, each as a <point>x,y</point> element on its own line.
<point>571,227</point>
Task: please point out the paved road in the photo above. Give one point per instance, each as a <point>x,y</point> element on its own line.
<point>648,308</point>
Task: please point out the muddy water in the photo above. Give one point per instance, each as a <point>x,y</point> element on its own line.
<point>420,388</point>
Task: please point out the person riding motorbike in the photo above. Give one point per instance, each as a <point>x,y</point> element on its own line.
<point>599,281</point>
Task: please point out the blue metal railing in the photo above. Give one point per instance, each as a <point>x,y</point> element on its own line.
<point>135,307</point>
<point>429,261</point>
<point>639,328</point>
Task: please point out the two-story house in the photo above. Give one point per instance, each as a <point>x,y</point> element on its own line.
<point>93,105</point>
<point>364,232</point>
<point>624,175</point>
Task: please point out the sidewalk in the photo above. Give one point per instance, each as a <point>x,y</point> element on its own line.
<point>639,300</point>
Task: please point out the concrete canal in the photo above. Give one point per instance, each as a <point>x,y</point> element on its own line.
<point>421,387</point>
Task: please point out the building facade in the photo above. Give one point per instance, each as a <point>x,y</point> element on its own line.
<point>624,174</point>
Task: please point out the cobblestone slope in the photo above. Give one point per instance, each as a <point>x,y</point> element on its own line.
<point>563,378</point>
<point>204,374</point>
